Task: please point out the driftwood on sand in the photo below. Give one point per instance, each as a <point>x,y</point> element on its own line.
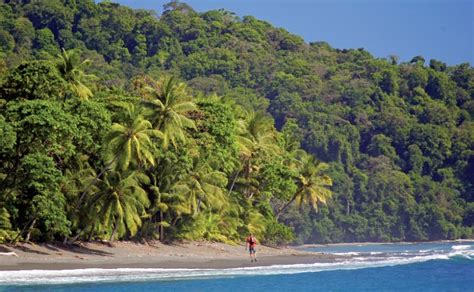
<point>12,253</point>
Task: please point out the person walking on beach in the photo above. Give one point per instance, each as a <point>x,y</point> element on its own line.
<point>251,244</point>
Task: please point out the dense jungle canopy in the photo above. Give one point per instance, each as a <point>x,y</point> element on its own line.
<point>118,123</point>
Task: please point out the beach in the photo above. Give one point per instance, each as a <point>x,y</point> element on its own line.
<point>199,255</point>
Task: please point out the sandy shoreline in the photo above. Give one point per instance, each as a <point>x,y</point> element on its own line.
<point>154,255</point>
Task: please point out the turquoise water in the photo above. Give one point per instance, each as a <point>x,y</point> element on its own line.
<point>393,267</point>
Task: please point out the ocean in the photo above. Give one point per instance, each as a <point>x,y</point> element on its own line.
<point>438,266</point>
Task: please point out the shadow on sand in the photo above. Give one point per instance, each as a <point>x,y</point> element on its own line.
<point>78,248</point>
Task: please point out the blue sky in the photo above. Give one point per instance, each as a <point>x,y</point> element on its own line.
<point>438,29</point>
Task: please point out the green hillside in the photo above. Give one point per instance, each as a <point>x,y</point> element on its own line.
<point>120,124</point>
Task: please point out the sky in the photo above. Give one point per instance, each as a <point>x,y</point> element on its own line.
<point>434,29</point>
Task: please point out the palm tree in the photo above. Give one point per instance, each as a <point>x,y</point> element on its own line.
<point>169,103</point>
<point>312,184</point>
<point>255,221</point>
<point>256,132</point>
<point>120,201</point>
<point>131,142</point>
<point>230,222</point>
<point>70,69</point>
<point>205,188</point>
<point>256,136</point>
<point>167,201</point>
<point>213,227</point>
<point>126,144</point>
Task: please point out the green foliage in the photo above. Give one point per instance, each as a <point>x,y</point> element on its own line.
<point>216,135</point>
<point>32,80</point>
<point>168,103</point>
<point>41,196</point>
<point>7,42</point>
<point>24,32</point>
<point>70,69</point>
<point>278,234</point>
<point>6,233</point>
<point>44,42</point>
<point>119,202</point>
<point>8,136</point>
<point>42,125</point>
<point>92,121</point>
<point>131,142</point>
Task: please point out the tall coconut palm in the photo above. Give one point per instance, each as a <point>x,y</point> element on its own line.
<point>131,142</point>
<point>169,103</point>
<point>120,202</point>
<point>71,69</point>
<point>312,184</point>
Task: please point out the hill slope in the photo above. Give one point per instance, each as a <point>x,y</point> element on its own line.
<point>399,138</point>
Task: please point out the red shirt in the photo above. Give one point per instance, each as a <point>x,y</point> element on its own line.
<point>251,241</point>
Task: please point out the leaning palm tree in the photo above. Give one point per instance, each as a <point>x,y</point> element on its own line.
<point>120,202</point>
<point>130,143</point>
<point>169,103</point>
<point>312,184</point>
<point>71,70</point>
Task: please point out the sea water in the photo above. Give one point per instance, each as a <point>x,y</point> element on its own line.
<point>445,266</point>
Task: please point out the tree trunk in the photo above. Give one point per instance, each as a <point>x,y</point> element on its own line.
<point>112,237</point>
<point>76,236</point>
<point>289,203</point>
<point>22,231</point>
<point>175,220</point>
<point>162,228</point>
<point>29,230</point>
<point>83,195</point>
<point>284,207</point>
<point>233,182</point>
<point>348,207</point>
<point>89,238</point>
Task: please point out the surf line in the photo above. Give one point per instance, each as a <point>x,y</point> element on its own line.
<point>29,277</point>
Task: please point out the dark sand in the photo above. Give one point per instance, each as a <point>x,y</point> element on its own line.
<point>152,255</point>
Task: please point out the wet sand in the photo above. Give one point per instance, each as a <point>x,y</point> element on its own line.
<point>152,255</point>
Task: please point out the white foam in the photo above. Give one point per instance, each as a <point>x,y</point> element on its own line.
<point>461,247</point>
<point>31,277</point>
<point>468,254</point>
<point>350,253</point>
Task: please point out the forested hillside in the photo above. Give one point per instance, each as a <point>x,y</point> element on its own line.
<point>120,124</point>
